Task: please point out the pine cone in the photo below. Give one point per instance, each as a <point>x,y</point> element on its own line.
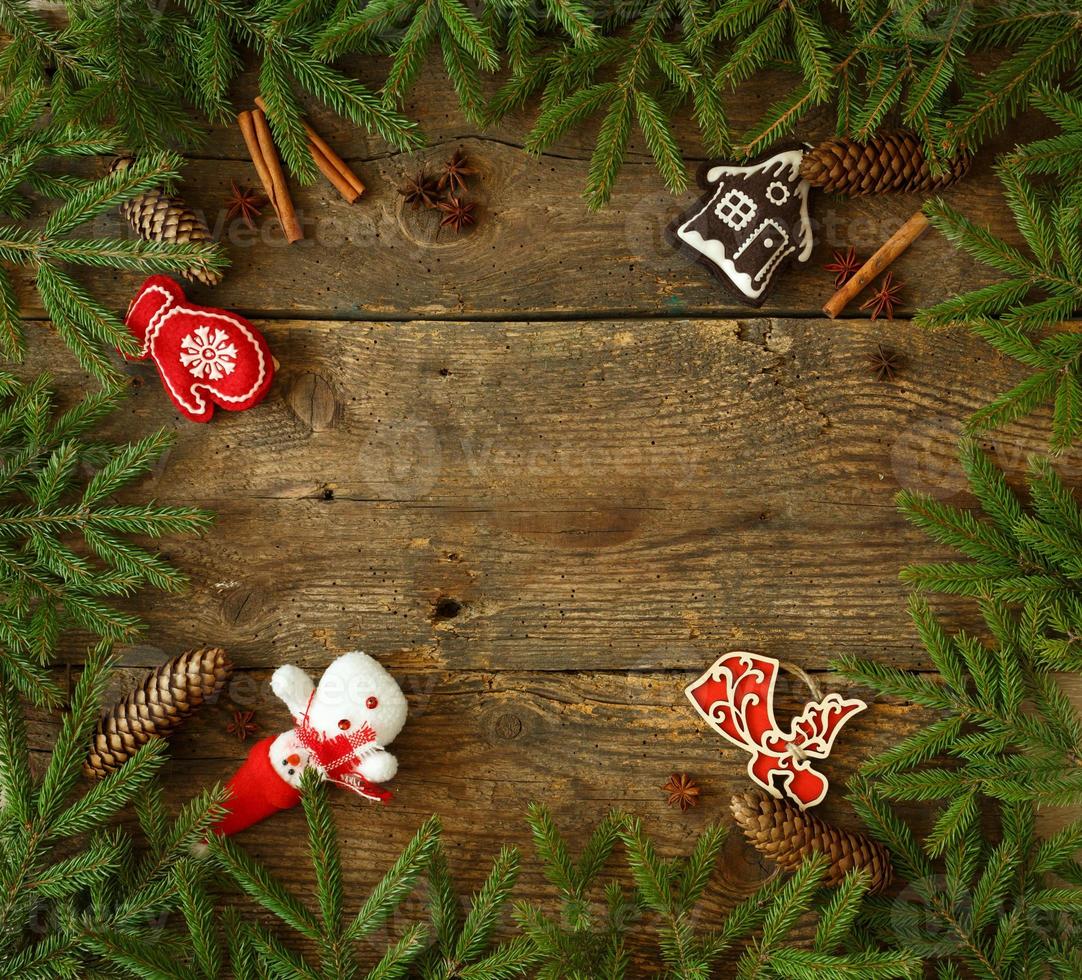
<point>158,216</point>
<point>157,707</point>
<point>782,833</point>
<point>888,163</point>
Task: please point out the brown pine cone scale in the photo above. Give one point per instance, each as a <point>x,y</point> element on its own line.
<point>887,163</point>
<point>157,216</point>
<point>781,832</point>
<point>157,707</point>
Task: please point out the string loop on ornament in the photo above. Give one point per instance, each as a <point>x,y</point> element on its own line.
<point>797,752</point>
<point>809,681</point>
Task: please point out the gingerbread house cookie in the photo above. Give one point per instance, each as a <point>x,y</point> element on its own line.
<point>751,224</point>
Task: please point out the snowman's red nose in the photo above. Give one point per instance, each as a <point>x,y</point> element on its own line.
<point>371,703</point>
<point>344,724</point>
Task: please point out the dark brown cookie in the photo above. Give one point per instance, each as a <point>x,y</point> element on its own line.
<point>752,222</point>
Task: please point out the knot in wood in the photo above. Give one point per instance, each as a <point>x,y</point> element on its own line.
<point>312,400</point>
<point>241,606</point>
<point>507,726</point>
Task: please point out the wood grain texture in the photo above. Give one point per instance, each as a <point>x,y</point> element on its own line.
<point>480,744</point>
<point>536,250</point>
<point>379,258</point>
<point>547,473</point>
<point>582,495</point>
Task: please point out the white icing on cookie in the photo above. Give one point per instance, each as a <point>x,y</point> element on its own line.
<point>737,210</point>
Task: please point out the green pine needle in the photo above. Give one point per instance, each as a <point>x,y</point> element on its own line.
<point>1022,315</point>
<point>64,550</point>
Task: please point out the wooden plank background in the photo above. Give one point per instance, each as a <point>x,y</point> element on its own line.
<point>547,473</point>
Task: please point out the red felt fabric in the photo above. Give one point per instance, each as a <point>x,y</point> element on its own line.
<point>205,356</point>
<point>256,791</point>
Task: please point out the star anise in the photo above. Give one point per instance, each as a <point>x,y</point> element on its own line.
<point>844,266</point>
<point>455,172</point>
<point>885,298</point>
<point>683,790</point>
<point>456,214</point>
<point>421,190</point>
<point>246,203</point>
<point>242,725</point>
<point>885,363</point>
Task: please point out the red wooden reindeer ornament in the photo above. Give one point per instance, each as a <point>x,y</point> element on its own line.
<point>736,698</point>
<point>205,356</point>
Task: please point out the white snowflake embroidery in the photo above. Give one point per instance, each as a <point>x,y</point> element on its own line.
<point>208,353</point>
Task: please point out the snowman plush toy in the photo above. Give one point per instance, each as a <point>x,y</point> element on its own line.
<point>341,728</point>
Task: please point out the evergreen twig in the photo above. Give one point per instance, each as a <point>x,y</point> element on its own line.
<point>1022,316</point>
<point>65,552</point>
<point>29,140</point>
<point>635,65</point>
<point>1008,742</point>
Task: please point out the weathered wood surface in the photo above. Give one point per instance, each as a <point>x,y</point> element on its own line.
<point>595,495</point>
<point>582,741</point>
<point>547,529</point>
<point>379,258</point>
<point>480,743</point>
<point>547,473</point>
<point>483,743</point>
<point>536,251</point>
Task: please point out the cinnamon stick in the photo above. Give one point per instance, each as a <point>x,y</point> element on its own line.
<point>887,253</point>
<point>283,203</point>
<point>247,130</point>
<point>331,165</point>
<point>318,143</point>
<point>334,175</point>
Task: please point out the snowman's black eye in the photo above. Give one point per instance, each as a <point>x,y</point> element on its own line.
<point>372,702</point>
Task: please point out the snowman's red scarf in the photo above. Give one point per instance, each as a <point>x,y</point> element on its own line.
<point>337,757</point>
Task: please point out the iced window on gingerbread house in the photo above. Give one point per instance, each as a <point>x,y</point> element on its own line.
<point>736,209</point>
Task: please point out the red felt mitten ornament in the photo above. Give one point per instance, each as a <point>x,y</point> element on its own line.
<point>736,698</point>
<point>340,730</point>
<point>205,356</point>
